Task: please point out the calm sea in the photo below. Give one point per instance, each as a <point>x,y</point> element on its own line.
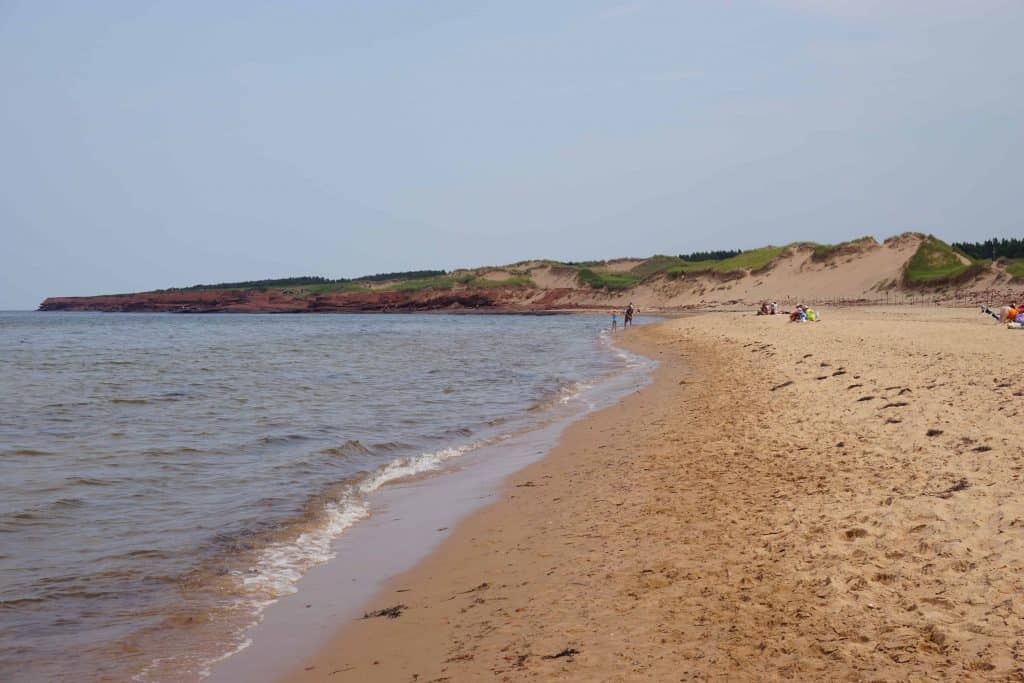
<point>164,478</point>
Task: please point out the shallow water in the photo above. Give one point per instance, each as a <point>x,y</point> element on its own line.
<point>163,478</point>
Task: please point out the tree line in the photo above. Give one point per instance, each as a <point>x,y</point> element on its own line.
<point>993,248</point>
<point>720,255</point>
<point>307,280</point>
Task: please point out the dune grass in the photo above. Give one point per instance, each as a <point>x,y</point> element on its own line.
<point>440,282</point>
<point>514,281</point>
<point>935,262</point>
<point>823,252</point>
<point>609,281</point>
<point>327,287</point>
<point>656,264</point>
<point>466,279</point>
<point>752,260</point>
<point>1015,267</point>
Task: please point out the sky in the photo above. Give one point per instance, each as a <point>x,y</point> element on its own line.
<point>146,145</point>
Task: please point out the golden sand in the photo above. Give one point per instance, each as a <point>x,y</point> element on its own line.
<point>837,500</point>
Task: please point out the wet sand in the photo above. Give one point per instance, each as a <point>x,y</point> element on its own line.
<point>837,500</point>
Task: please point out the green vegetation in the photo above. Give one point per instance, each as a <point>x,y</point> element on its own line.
<point>1012,248</point>
<point>1015,267</point>
<point>935,262</point>
<point>609,281</point>
<point>710,255</point>
<point>333,287</point>
<point>674,266</point>
<point>823,252</point>
<point>440,282</point>
<point>278,283</point>
<point>403,275</point>
<point>314,283</point>
<point>515,281</point>
<point>654,265</point>
<point>752,260</point>
<point>466,279</point>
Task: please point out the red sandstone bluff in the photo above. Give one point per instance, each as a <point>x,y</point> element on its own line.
<point>283,301</point>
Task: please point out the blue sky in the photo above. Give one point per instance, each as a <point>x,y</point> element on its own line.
<point>148,145</point>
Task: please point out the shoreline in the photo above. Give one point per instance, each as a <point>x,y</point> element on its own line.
<point>409,518</point>
<point>833,500</point>
<point>517,485</point>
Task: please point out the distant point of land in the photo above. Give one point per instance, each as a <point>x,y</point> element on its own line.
<point>910,266</point>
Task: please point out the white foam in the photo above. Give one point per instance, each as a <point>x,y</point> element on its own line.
<point>572,391</point>
<point>409,467</point>
<point>281,565</point>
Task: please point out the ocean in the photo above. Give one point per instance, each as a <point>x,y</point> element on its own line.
<point>166,478</point>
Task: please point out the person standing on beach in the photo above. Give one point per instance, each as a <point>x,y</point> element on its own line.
<point>628,316</point>
<point>615,320</point>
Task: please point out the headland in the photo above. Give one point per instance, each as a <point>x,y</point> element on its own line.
<point>907,267</point>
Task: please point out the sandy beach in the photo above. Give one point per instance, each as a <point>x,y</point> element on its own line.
<point>835,500</point>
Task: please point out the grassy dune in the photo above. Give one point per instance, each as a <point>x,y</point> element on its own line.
<point>935,262</point>
<point>752,260</point>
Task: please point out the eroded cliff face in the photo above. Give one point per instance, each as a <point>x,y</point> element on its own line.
<point>281,301</point>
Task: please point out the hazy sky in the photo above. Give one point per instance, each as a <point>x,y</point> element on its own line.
<point>147,145</point>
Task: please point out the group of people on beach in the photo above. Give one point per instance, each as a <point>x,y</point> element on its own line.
<point>800,314</point>
<point>804,314</point>
<point>1011,315</point>
<point>627,317</point>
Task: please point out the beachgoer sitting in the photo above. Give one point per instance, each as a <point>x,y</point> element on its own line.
<point>799,314</point>
<point>764,310</point>
<point>1006,314</point>
<point>812,315</point>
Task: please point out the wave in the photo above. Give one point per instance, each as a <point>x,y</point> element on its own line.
<point>280,439</point>
<point>280,564</point>
<point>564,392</point>
<point>273,560</point>
<point>350,447</point>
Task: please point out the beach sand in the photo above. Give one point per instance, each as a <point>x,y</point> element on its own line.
<point>837,500</point>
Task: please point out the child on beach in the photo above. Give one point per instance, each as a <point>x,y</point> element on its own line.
<point>615,320</point>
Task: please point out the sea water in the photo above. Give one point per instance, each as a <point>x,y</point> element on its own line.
<point>165,478</point>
